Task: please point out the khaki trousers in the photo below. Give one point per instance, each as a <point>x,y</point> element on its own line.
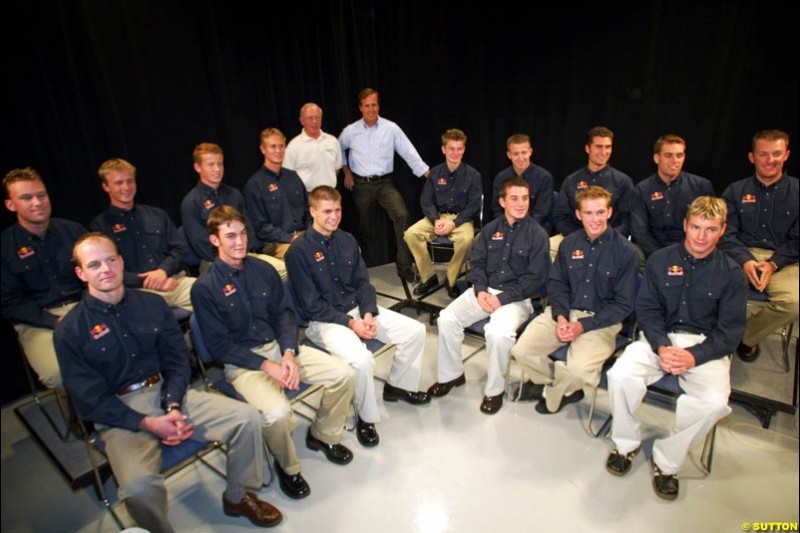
<point>421,233</point>
<point>585,356</point>
<point>260,391</point>
<point>180,296</point>
<point>135,456</point>
<point>783,301</point>
<point>38,348</point>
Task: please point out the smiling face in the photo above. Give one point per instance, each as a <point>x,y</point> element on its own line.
<point>311,119</point>
<point>594,213</point>
<point>274,150</point>
<point>231,242</point>
<point>520,156</point>
<point>453,153</point>
<point>326,214</point>
<point>100,266</point>
<point>599,152</point>
<point>121,188</point>
<point>670,160</point>
<point>370,108</point>
<point>769,158</point>
<point>211,169</point>
<point>516,203</point>
<point>29,200</point>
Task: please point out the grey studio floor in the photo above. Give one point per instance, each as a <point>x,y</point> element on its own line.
<point>446,467</point>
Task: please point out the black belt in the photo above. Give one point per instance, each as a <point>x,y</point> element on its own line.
<point>133,387</point>
<point>368,179</point>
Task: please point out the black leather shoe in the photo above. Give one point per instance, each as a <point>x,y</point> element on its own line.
<point>575,397</point>
<point>619,464</point>
<point>409,274</point>
<point>426,286</point>
<point>453,292</point>
<point>367,434</point>
<point>441,389</point>
<point>336,453</point>
<point>746,353</point>
<point>491,404</point>
<point>530,391</point>
<point>257,511</point>
<point>294,486</point>
<point>392,394</point>
<point>665,485</point>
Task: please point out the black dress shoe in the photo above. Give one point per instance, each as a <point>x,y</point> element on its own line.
<point>491,404</point>
<point>426,286</point>
<point>409,274</point>
<point>746,353</point>
<point>530,391</point>
<point>367,434</point>
<point>619,464</point>
<point>392,394</point>
<point>453,291</point>
<point>257,511</point>
<point>336,453</point>
<point>665,485</point>
<point>441,389</point>
<point>575,397</point>
<point>294,486</point>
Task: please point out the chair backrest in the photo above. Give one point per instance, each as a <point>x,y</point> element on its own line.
<point>199,343</point>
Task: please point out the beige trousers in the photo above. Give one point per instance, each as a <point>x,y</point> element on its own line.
<point>421,233</point>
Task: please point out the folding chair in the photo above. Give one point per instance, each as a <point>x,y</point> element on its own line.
<point>173,459</point>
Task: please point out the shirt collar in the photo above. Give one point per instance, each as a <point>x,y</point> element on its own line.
<point>203,187</point>
<point>317,236</point>
<point>99,305</point>
<point>226,270</point>
<point>24,235</point>
<point>603,238</point>
<point>270,174</point>
<point>306,137</point>
<point>686,256</point>
<point>116,211</point>
<point>364,123</point>
<point>775,186</point>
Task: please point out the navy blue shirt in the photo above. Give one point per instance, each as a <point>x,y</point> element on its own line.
<point>541,185</point>
<point>597,276</point>
<point>103,348</point>
<point>452,192</point>
<point>617,183</point>
<point>277,204</point>
<point>658,209</point>
<point>762,217</point>
<point>681,293</point>
<point>329,277</point>
<point>195,208</point>
<point>147,240</point>
<point>514,259</point>
<point>38,272</point>
<point>242,309</point>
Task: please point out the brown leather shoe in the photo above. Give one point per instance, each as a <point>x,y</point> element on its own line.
<point>491,404</point>
<point>441,389</point>
<point>257,511</point>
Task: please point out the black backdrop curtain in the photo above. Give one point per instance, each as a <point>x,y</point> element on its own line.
<point>88,80</point>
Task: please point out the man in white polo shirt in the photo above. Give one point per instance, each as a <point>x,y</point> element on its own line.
<point>314,155</point>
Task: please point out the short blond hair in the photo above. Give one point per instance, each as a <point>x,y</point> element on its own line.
<point>709,208</point>
<point>269,132</point>
<point>114,165</point>
<point>592,192</point>
<point>454,134</point>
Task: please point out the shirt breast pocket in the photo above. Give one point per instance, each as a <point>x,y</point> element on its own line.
<point>31,272</point>
<point>147,336</point>
<point>103,352</point>
<point>705,306</point>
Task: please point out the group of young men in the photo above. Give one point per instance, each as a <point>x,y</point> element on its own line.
<point>120,353</point>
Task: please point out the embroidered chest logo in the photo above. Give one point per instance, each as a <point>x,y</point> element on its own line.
<point>749,199</point>
<point>228,289</point>
<point>675,270</point>
<point>99,331</point>
<point>319,256</point>
<point>208,204</point>
<point>582,185</point>
<point>497,236</point>
<point>658,195</point>
<point>25,252</point>
<point>577,254</point>
<point>118,228</point>
<point>272,187</point>
<point>442,181</point>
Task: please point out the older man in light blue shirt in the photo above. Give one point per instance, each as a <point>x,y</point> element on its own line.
<point>368,147</point>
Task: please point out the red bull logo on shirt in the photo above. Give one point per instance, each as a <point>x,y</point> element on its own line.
<point>577,254</point>
<point>675,270</point>
<point>319,256</point>
<point>749,199</point>
<point>497,236</point>
<point>272,187</point>
<point>582,184</point>
<point>208,204</point>
<point>118,228</point>
<point>228,289</point>
<point>658,195</point>
<point>25,251</point>
<point>98,331</point>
